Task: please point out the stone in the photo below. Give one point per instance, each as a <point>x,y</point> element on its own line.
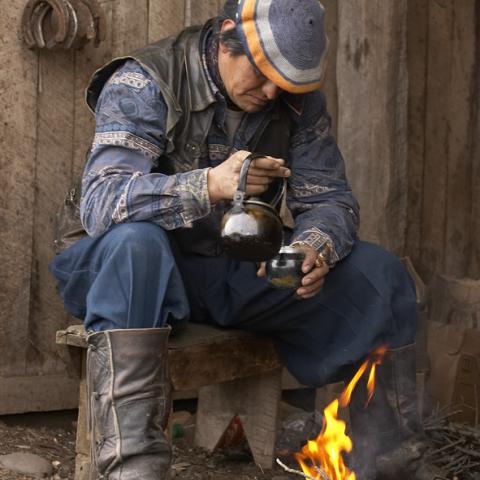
<point>27,463</point>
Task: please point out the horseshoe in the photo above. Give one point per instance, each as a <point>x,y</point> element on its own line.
<point>26,26</point>
<point>86,24</point>
<point>31,20</point>
<point>72,26</point>
<point>37,19</point>
<point>71,23</point>
<point>99,19</point>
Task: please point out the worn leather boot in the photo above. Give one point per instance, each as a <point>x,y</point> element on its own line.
<point>129,402</point>
<point>388,437</point>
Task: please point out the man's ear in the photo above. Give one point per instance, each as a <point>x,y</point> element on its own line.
<point>227,25</point>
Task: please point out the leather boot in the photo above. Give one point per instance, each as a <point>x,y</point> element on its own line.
<point>388,437</point>
<point>129,402</point>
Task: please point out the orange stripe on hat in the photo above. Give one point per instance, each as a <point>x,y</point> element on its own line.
<point>261,60</point>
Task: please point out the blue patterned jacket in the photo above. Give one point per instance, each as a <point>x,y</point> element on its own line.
<point>127,177</point>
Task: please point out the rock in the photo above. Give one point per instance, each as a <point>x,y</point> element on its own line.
<point>27,463</point>
<point>296,429</point>
<point>181,417</point>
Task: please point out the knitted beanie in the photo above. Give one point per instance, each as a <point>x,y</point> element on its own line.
<point>285,40</point>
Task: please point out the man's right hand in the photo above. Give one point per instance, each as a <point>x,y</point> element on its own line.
<point>223,179</point>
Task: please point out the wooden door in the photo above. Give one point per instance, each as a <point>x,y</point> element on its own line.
<point>45,130</point>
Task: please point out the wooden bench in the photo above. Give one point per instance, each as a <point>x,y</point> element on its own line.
<point>234,372</point>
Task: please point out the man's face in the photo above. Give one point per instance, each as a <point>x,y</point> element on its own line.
<point>247,88</point>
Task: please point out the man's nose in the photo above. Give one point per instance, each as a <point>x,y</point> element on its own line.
<point>270,90</point>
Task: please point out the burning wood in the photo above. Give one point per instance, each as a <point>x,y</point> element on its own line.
<point>323,475</point>
<point>455,447</point>
<point>322,458</point>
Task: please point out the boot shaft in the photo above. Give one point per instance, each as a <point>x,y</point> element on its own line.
<point>130,400</point>
<point>388,434</point>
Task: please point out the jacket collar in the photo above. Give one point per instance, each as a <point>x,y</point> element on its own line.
<point>296,103</point>
<point>201,94</point>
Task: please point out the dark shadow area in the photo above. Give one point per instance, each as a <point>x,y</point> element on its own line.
<point>65,420</point>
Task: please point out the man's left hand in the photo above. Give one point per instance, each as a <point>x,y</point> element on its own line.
<point>314,275</point>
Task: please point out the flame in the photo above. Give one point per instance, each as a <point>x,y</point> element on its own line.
<point>322,458</point>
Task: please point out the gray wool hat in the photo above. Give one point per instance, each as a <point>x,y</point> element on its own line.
<point>285,40</point>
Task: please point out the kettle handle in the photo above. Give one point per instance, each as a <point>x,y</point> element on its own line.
<point>280,193</point>
<point>242,182</point>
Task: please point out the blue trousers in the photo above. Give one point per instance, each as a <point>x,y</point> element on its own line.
<point>133,277</point>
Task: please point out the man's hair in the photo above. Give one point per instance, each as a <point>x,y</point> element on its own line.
<point>230,37</point>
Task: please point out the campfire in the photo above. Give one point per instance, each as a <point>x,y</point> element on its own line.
<point>322,458</point>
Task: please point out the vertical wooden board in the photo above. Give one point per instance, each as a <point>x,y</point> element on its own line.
<point>198,12</point>
<point>127,30</point>
<point>417,30</point>
<point>474,263</point>
<point>165,18</point>
<point>87,61</point>
<point>474,255</point>
<point>460,118</point>
<point>372,96</point>
<point>129,26</point>
<point>18,130</point>
<point>329,87</point>
<point>53,165</point>
<point>436,131</point>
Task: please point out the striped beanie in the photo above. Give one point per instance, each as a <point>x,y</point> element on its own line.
<point>285,40</point>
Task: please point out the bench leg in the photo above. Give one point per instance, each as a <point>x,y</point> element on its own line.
<point>82,446</point>
<point>255,400</point>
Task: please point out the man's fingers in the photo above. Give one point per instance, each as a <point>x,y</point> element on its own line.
<point>270,172</point>
<point>314,278</point>
<point>309,261</point>
<point>258,180</point>
<point>261,272</point>
<point>268,163</point>
<point>269,166</point>
<point>256,189</point>
<point>311,289</point>
<point>314,275</point>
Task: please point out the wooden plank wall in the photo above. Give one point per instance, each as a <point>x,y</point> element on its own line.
<point>403,88</point>
<point>45,130</point>
<point>371,79</point>
<point>411,144</point>
<point>444,143</point>
<point>18,138</point>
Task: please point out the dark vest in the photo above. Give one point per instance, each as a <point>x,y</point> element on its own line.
<point>176,64</point>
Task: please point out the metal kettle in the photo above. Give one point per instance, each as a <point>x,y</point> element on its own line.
<point>252,229</point>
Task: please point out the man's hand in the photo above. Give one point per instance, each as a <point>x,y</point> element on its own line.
<point>314,276</point>
<point>223,179</point>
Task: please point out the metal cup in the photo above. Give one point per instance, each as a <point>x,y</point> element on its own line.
<point>285,269</point>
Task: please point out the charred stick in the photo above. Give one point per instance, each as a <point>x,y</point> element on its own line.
<point>469,452</point>
<point>323,475</point>
<point>446,447</point>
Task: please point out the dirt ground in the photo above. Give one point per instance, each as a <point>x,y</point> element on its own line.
<point>52,437</point>
<point>49,435</point>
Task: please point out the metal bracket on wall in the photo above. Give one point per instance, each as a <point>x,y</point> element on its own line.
<point>63,24</point>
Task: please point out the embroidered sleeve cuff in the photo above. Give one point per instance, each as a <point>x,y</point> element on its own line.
<point>192,188</point>
<point>321,242</point>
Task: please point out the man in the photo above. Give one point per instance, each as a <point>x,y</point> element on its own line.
<point>174,123</point>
